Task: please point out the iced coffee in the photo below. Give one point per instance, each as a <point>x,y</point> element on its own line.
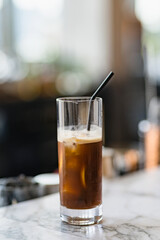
<point>80,168</point>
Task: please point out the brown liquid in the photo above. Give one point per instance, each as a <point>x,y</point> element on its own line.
<point>80,169</point>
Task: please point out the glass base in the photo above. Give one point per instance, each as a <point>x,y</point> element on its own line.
<point>81,216</point>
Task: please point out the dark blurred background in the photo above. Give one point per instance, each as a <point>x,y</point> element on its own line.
<point>53,48</point>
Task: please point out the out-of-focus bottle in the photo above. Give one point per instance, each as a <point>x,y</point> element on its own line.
<point>152,137</point>
<point>149,133</point>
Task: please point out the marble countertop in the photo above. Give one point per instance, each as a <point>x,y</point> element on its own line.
<point>131,210</point>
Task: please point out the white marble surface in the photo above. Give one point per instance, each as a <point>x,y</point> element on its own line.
<point>131,207</point>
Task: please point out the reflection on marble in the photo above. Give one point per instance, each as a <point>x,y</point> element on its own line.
<point>131,210</point>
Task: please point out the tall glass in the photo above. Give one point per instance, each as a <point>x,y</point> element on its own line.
<point>80,160</point>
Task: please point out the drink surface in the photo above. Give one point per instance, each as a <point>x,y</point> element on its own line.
<point>80,168</point>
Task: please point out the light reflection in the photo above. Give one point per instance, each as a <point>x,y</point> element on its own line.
<point>148,13</point>
<point>38,24</point>
<point>68,83</point>
<point>91,232</point>
<point>1,4</point>
<point>46,7</point>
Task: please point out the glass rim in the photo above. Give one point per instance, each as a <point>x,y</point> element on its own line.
<point>77,99</point>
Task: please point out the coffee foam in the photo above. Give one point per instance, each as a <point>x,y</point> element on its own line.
<point>80,136</point>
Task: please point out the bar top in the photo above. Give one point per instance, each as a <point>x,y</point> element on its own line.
<point>131,210</point>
